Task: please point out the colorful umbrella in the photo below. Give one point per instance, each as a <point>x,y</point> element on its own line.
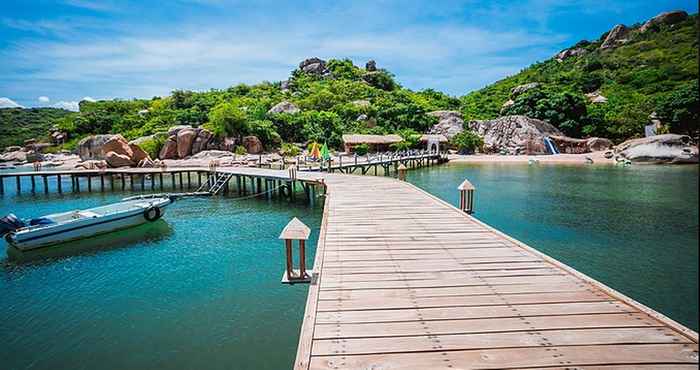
<point>315,153</point>
<point>324,152</point>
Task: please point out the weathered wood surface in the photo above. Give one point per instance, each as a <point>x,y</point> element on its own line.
<point>406,281</point>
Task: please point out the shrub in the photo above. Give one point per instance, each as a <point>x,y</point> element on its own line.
<point>290,150</point>
<point>362,149</point>
<point>240,150</point>
<point>467,141</point>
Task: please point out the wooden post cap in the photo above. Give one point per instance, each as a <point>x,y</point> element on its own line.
<point>402,167</point>
<point>466,185</point>
<point>295,230</point>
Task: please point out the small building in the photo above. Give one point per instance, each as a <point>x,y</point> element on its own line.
<point>434,142</point>
<point>376,143</point>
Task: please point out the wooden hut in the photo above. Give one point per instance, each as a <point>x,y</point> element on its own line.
<point>376,143</point>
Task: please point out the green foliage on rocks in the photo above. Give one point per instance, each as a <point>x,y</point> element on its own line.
<point>467,141</point>
<point>19,124</point>
<point>648,72</point>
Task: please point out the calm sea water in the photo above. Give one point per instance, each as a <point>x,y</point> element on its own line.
<point>198,290</point>
<point>201,288</point>
<point>634,229</point>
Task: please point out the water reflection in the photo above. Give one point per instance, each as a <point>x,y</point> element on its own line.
<point>143,234</point>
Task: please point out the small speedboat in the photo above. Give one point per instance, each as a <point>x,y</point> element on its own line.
<point>62,227</point>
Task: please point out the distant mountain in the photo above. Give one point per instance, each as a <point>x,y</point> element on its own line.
<point>607,87</point>
<point>20,124</point>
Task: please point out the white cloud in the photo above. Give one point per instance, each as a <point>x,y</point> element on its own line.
<point>44,99</point>
<point>8,103</point>
<point>72,105</point>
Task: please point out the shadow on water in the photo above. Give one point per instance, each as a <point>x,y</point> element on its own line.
<point>145,233</point>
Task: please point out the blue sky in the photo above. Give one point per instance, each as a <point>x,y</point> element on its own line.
<point>55,53</point>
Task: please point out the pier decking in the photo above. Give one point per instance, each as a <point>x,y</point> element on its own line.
<point>403,280</point>
<point>406,281</point>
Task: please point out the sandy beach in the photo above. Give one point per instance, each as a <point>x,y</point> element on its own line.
<point>597,158</point>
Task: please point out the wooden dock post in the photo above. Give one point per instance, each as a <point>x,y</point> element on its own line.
<point>295,230</point>
<point>58,182</point>
<point>46,184</point>
<point>466,197</point>
<point>402,172</point>
<point>2,186</point>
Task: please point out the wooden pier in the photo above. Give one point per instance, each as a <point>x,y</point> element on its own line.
<point>403,280</point>
<point>388,163</point>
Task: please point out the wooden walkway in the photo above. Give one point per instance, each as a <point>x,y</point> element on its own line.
<point>406,281</point>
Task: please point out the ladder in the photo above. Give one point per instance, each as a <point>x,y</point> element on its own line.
<point>216,184</point>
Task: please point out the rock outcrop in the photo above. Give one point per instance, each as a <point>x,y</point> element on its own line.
<point>284,107</point>
<point>450,123</point>
<point>514,134</point>
<point>668,148</point>
<point>371,66</point>
<point>138,153</point>
<point>115,160</point>
<point>91,147</point>
<point>616,37</point>
<point>169,149</point>
<point>203,139</point>
<point>117,144</point>
<point>514,92</point>
<point>596,97</point>
<point>14,156</point>
<point>185,139</point>
<point>571,145</point>
<point>252,144</point>
<point>568,53</point>
<point>212,154</point>
<point>314,66</point>
<point>667,18</point>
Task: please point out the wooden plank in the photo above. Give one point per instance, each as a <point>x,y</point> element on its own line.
<point>430,343</point>
<point>629,355</point>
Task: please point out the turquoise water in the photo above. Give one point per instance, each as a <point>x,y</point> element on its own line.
<point>634,228</point>
<point>198,289</point>
<point>201,288</point>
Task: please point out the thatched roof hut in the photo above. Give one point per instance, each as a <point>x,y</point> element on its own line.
<point>375,142</point>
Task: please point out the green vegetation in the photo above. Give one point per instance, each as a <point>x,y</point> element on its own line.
<point>467,141</point>
<point>654,71</point>
<point>18,124</point>
<point>290,150</point>
<point>361,149</point>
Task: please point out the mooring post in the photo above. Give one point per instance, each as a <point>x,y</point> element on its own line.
<point>46,184</point>
<point>33,183</point>
<point>295,230</point>
<point>123,180</point>
<point>466,197</point>
<point>402,172</point>
<point>58,182</point>
<point>2,185</point>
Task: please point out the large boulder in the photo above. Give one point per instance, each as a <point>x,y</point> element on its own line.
<point>12,148</point>
<point>514,92</point>
<point>599,144</point>
<point>200,143</point>
<point>185,138</point>
<point>116,160</point>
<point>34,156</point>
<point>664,18</point>
<point>15,156</point>
<point>315,66</point>
<point>252,144</point>
<point>616,37</point>
<point>596,97</point>
<point>450,123</point>
<point>514,134</point>
<point>284,107</point>
<point>91,147</point>
<point>371,65</point>
<point>668,148</point>
<point>568,53</point>
<point>139,154</point>
<point>119,145</point>
<point>169,149</point>
<point>176,129</point>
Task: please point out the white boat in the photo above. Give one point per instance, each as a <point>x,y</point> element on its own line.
<point>62,227</point>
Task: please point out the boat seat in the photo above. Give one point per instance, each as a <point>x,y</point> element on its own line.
<point>87,214</point>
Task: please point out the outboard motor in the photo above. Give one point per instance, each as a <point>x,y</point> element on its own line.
<point>10,223</point>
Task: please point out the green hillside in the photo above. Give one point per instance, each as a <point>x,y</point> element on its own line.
<point>656,70</point>
<point>19,124</point>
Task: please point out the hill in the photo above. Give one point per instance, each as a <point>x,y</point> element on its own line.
<point>628,73</point>
<point>20,124</point>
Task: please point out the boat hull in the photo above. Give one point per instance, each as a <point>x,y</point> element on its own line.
<point>79,230</point>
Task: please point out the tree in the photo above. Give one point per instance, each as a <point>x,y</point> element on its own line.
<point>467,141</point>
<point>228,119</point>
<point>680,110</point>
